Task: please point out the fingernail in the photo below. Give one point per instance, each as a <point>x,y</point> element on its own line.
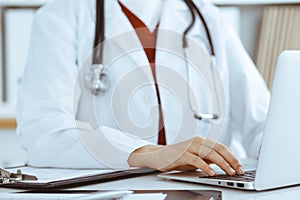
<point>232,171</point>
<point>212,172</point>
<point>240,170</point>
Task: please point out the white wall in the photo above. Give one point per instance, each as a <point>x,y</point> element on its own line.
<point>251,18</point>
<point>18,28</point>
<point>246,19</point>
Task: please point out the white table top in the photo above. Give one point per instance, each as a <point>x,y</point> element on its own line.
<point>153,182</point>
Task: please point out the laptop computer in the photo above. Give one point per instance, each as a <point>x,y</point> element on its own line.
<point>279,160</point>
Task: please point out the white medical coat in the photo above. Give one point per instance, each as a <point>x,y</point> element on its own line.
<point>54,102</point>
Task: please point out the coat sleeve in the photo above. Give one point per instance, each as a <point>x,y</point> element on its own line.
<point>249,95</point>
<point>45,116</point>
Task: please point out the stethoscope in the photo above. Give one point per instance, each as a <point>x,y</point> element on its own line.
<point>97,80</point>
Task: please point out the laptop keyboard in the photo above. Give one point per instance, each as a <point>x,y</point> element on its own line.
<point>249,176</point>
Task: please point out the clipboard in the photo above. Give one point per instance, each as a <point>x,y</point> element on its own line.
<point>30,182</point>
<point>170,194</point>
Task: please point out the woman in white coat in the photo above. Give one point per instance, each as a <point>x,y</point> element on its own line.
<point>58,129</point>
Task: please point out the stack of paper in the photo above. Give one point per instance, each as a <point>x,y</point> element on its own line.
<point>280,31</point>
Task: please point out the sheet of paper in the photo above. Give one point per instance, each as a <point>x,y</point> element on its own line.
<point>55,174</point>
<point>146,196</point>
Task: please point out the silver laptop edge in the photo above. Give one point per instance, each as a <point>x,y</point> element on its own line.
<point>279,160</point>
<point>194,177</point>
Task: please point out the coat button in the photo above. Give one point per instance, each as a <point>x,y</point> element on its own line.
<point>146,98</point>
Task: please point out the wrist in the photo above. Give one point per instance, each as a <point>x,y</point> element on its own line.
<point>144,156</point>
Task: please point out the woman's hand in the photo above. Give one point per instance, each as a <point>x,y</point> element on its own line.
<point>196,153</point>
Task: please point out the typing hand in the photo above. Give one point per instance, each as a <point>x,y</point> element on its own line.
<point>196,153</point>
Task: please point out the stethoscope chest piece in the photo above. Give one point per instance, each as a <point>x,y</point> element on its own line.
<point>96,79</point>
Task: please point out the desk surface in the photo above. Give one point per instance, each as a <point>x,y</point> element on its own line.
<point>155,183</point>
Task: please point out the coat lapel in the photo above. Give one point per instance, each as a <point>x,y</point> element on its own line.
<point>174,20</point>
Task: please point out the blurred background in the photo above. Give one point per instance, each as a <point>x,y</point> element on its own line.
<point>266,27</point>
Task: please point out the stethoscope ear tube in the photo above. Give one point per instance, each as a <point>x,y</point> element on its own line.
<point>193,8</point>
<point>99,32</point>
<point>96,79</point>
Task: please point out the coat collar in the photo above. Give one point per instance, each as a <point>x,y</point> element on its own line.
<point>120,32</point>
<point>149,12</point>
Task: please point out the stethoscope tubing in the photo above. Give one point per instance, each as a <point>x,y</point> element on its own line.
<point>97,75</point>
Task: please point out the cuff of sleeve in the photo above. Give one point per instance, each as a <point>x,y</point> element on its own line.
<point>121,146</point>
